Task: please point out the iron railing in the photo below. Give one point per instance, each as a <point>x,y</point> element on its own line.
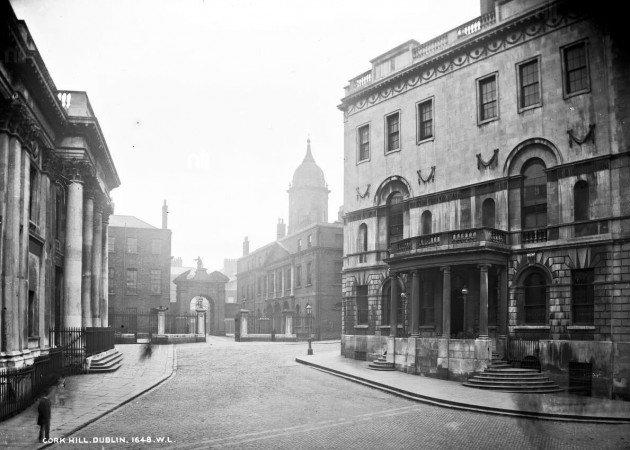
<point>98,340</point>
<point>72,344</point>
<point>20,387</point>
<point>524,353</point>
<point>146,321</point>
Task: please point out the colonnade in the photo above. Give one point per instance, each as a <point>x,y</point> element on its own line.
<point>416,319</point>
<point>25,300</point>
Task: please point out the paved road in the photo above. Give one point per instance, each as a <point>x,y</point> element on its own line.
<point>254,396</point>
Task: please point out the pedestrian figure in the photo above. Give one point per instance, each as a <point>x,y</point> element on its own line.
<point>61,391</point>
<point>147,351</point>
<point>43,418</point>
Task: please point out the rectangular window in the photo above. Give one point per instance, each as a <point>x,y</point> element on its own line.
<point>156,246</point>
<point>34,195</point>
<point>308,274</point>
<point>299,245</point>
<point>111,244</point>
<point>364,142</point>
<point>362,304</point>
<point>132,282</point>
<point>111,281</point>
<point>529,84</point>
<point>132,245</point>
<point>583,296</point>
<point>575,69</point>
<point>287,280</point>
<point>425,120</point>
<point>32,314</point>
<point>488,98</point>
<point>156,281</point>
<point>393,132</point>
<point>309,240</point>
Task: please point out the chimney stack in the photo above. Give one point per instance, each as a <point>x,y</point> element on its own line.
<point>164,216</point>
<point>281,230</point>
<point>246,246</point>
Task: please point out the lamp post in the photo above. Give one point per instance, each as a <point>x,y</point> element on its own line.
<point>464,295</point>
<point>309,312</point>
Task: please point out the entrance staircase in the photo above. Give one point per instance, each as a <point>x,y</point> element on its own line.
<point>107,363</point>
<point>381,364</point>
<point>501,376</point>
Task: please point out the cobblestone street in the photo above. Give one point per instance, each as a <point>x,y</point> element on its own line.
<point>254,395</point>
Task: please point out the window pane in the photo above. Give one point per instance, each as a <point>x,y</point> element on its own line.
<point>425,113</point>
<point>393,141</point>
<point>576,68</point>
<point>535,299</point>
<point>583,296</point>
<point>488,95</point>
<point>530,86</point>
<point>364,142</point>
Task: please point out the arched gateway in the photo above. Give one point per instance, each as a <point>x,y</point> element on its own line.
<point>196,288</point>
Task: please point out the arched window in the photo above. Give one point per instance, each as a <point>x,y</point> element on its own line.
<point>535,302</point>
<point>487,213</point>
<point>534,195</point>
<point>395,217</point>
<point>581,201</point>
<point>426,220</point>
<point>363,238</point>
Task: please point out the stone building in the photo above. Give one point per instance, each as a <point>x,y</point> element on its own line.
<point>139,264</point>
<point>56,174</point>
<point>198,289</point>
<point>486,197</point>
<point>301,268</point>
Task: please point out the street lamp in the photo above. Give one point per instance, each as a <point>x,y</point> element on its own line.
<point>464,295</point>
<point>309,312</point>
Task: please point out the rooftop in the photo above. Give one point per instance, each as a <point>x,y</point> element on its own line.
<point>129,222</point>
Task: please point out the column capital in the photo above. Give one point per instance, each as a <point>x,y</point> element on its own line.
<point>484,266</point>
<point>446,269</point>
<point>17,120</point>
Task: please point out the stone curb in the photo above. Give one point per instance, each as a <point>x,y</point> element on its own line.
<point>464,406</point>
<point>133,397</point>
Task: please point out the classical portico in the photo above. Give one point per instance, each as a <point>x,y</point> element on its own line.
<point>54,201</point>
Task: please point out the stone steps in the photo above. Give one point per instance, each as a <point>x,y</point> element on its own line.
<point>107,363</point>
<point>501,376</point>
<point>381,364</point>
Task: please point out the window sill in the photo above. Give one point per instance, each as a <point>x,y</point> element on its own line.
<point>360,327</point>
<point>363,161</point>
<point>524,109</point>
<point>532,327</point>
<point>487,121</point>
<point>396,150</point>
<point>425,140</point>
<point>426,327</point>
<point>567,96</point>
<point>581,327</point>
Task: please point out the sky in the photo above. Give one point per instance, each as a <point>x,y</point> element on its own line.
<point>209,104</point>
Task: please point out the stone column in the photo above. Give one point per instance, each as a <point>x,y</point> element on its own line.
<point>446,302</point>
<point>104,300</point>
<point>288,322</point>
<point>73,255</point>
<point>97,264</point>
<point>393,310</point>
<point>161,321</point>
<point>12,155</point>
<point>415,303</point>
<point>483,301</point>
<point>244,316</point>
<point>86,285</point>
<point>283,278</point>
<point>292,280</point>
<point>502,300</point>
<point>201,321</point>
<point>25,181</point>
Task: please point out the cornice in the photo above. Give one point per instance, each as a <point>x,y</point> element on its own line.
<point>500,38</point>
